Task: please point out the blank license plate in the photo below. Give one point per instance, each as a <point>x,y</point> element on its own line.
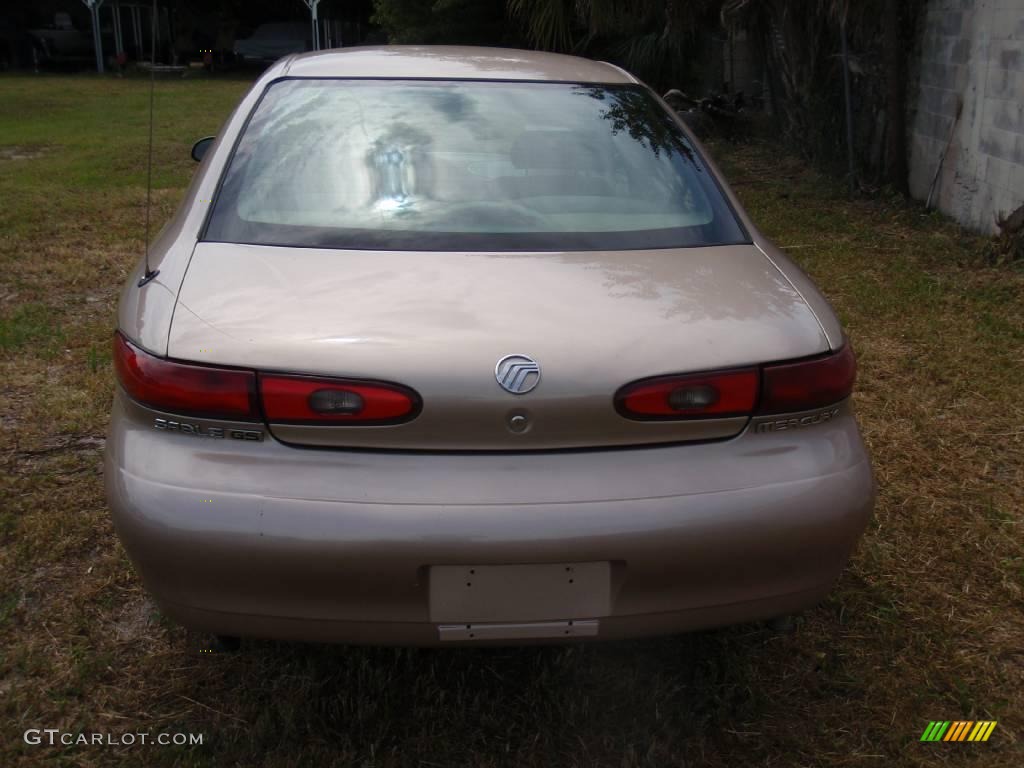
<point>475,593</point>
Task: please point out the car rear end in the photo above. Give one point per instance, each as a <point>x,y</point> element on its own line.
<point>448,369</point>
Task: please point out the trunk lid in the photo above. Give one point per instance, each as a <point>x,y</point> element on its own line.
<point>440,322</point>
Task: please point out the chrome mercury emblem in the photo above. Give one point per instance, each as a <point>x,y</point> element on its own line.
<point>517,374</point>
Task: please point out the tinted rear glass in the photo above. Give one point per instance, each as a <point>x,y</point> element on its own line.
<point>460,165</point>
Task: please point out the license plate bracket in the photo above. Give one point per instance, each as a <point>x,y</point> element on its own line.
<point>510,593</point>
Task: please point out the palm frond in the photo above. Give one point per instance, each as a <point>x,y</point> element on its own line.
<point>548,24</point>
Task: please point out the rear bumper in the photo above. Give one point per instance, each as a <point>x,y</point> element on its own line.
<point>262,539</point>
<point>426,634</point>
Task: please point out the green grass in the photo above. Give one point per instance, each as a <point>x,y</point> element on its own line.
<point>28,324</point>
<point>925,624</point>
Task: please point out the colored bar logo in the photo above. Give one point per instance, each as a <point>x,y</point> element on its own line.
<point>958,730</point>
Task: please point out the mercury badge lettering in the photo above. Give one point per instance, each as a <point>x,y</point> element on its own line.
<point>797,422</point>
<point>198,430</point>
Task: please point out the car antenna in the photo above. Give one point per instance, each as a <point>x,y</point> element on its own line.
<point>150,273</point>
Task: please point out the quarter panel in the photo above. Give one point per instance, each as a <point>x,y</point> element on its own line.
<point>810,293</point>
<point>798,279</point>
<point>145,313</point>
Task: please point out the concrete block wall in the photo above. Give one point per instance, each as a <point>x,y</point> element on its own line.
<point>972,52</point>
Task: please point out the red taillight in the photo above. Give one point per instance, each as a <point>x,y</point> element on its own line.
<point>308,400</point>
<point>728,393</point>
<point>192,390</point>
<point>807,384</point>
<point>781,388</point>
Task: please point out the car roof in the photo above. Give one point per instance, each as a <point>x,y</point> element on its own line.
<point>452,62</point>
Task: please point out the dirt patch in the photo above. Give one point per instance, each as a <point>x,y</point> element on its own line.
<point>23,152</point>
<point>135,622</point>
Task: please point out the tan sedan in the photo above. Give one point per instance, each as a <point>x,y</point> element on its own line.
<point>456,345</point>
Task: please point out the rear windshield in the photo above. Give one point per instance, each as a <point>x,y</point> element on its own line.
<point>465,165</point>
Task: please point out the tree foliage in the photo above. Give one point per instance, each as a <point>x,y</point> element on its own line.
<point>465,22</point>
<point>799,42</point>
<point>652,38</point>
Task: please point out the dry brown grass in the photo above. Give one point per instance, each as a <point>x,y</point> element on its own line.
<point>926,624</point>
